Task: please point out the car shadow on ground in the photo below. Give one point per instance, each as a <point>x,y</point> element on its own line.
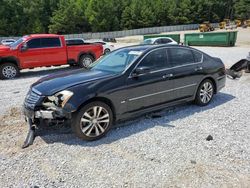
<point>123,130</point>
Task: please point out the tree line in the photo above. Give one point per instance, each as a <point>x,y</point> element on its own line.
<point>20,17</point>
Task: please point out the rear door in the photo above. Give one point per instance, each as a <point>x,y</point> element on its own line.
<point>187,71</point>
<point>153,88</point>
<point>53,50</point>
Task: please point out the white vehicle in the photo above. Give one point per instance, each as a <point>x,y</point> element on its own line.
<point>159,40</point>
<point>107,47</point>
<point>7,42</point>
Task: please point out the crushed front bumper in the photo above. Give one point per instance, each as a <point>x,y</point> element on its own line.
<point>33,118</point>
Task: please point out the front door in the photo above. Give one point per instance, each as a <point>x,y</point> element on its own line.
<point>153,88</point>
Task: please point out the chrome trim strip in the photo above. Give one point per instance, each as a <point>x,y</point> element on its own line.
<point>165,47</point>
<point>175,67</point>
<point>157,93</point>
<point>36,91</point>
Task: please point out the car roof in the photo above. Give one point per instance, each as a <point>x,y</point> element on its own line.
<point>146,47</point>
<point>43,35</point>
<point>155,38</point>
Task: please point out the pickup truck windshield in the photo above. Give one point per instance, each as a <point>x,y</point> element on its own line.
<point>15,44</point>
<point>117,61</point>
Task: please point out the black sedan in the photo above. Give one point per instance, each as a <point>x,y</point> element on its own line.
<point>128,82</point>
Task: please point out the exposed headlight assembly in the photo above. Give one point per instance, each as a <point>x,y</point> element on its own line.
<point>61,98</point>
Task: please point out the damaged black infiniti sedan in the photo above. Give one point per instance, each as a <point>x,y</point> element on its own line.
<point>126,83</point>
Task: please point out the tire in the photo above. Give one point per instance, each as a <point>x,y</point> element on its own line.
<point>85,61</point>
<point>205,93</point>
<point>9,71</point>
<point>87,126</point>
<point>106,51</point>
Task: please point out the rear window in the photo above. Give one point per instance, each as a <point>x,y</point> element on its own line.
<point>180,56</point>
<point>74,42</point>
<point>197,56</point>
<point>50,42</point>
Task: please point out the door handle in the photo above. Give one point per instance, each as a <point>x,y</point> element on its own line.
<point>167,76</point>
<point>198,69</point>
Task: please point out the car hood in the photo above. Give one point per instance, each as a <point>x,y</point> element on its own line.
<point>4,48</point>
<point>54,83</point>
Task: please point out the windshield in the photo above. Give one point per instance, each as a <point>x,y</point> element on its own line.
<point>117,61</point>
<point>148,41</point>
<point>16,43</point>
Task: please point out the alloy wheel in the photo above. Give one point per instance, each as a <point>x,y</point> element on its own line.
<point>9,72</point>
<point>87,61</point>
<point>206,92</point>
<point>95,121</point>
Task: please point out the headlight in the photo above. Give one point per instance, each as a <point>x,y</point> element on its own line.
<point>61,98</point>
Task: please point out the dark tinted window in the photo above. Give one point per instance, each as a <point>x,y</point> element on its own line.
<point>180,56</point>
<point>197,56</point>
<point>34,43</point>
<point>158,41</point>
<point>155,60</point>
<point>74,42</point>
<point>50,42</point>
<point>165,41</point>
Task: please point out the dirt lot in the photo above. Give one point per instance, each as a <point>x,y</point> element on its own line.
<point>168,151</point>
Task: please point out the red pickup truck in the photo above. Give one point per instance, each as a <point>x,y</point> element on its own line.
<point>44,50</point>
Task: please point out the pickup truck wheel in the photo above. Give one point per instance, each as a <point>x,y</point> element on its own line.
<point>92,121</point>
<point>9,71</point>
<point>85,61</point>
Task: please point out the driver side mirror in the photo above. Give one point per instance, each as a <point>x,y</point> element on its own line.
<point>24,47</point>
<point>141,71</point>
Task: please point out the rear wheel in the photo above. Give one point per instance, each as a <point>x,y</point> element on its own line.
<point>106,51</point>
<point>205,93</point>
<point>93,121</point>
<point>9,71</point>
<point>85,61</point>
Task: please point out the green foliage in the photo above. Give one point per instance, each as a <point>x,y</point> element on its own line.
<point>20,17</point>
<point>242,8</point>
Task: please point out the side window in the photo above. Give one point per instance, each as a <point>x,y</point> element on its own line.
<point>155,60</point>
<point>50,42</point>
<point>158,41</point>
<point>180,56</point>
<point>166,41</point>
<point>34,43</point>
<point>197,56</point>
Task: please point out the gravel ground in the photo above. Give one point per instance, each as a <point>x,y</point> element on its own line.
<point>170,150</point>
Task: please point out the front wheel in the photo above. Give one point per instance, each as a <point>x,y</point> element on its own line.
<point>93,121</point>
<point>85,61</point>
<point>205,93</point>
<point>8,71</point>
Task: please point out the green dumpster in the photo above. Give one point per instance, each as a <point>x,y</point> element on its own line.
<point>211,39</point>
<point>175,37</point>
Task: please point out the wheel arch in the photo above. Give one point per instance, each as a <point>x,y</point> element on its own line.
<point>10,59</point>
<point>99,99</point>
<point>212,80</point>
<point>86,53</point>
